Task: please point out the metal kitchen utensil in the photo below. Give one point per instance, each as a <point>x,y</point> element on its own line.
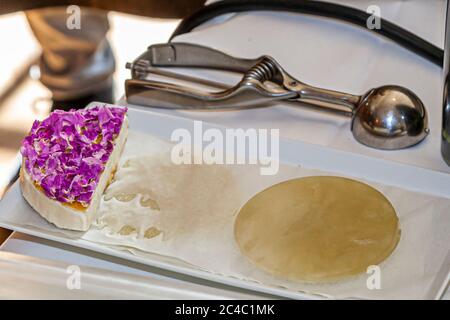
<point>389,117</point>
<point>445,142</point>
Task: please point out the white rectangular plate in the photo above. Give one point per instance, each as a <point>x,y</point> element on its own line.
<point>291,152</point>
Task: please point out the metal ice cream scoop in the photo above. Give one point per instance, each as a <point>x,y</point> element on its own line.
<point>389,117</point>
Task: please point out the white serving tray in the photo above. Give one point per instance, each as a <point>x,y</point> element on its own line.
<point>25,277</point>
<point>292,152</point>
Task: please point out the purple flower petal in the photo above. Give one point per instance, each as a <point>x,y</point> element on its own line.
<point>67,152</point>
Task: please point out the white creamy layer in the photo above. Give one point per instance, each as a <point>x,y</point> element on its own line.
<point>64,216</point>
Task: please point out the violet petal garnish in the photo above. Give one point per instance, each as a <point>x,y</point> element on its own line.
<point>66,153</point>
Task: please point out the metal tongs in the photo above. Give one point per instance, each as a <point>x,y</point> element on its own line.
<point>388,117</point>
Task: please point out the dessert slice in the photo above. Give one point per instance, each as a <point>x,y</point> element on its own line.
<point>68,160</point>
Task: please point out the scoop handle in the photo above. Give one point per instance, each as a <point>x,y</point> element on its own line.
<point>196,56</point>
<point>339,102</point>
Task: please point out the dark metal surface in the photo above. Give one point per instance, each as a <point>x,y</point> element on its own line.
<point>446,105</point>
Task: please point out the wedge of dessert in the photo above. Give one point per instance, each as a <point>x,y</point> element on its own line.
<point>68,161</point>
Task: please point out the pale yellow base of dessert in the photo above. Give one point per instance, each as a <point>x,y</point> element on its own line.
<point>73,216</point>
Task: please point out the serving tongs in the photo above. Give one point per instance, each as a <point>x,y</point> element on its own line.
<point>388,117</point>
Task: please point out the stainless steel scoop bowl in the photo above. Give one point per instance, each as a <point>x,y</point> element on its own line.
<point>389,117</point>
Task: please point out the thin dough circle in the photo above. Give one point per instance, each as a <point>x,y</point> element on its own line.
<point>317,229</point>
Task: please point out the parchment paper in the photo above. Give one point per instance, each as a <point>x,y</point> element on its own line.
<point>193,207</point>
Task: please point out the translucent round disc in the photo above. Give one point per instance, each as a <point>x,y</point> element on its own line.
<point>317,229</point>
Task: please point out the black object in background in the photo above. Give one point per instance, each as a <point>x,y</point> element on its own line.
<point>446,113</point>
<point>355,16</point>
